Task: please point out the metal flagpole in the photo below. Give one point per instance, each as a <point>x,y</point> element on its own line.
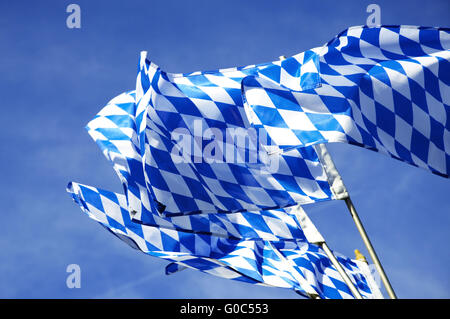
<point>313,236</point>
<point>370,248</point>
<point>341,193</point>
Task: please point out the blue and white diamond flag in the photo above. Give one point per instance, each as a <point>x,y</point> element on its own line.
<point>253,247</point>
<point>384,88</point>
<point>294,264</point>
<point>149,170</point>
<point>114,130</point>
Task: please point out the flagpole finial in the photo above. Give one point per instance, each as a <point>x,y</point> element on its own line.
<point>282,57</point>
<point>360,256</point>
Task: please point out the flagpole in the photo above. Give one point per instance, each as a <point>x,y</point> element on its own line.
<point>314,237</point>
<point>341,192</point>
<point>370,248</point>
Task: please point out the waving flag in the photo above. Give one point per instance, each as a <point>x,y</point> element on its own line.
<point>206,109</point>
<point>149,171</point>
<point>114,131</point>
<point>384,88</point>
<point>266,247</point>
<point>293,264</point>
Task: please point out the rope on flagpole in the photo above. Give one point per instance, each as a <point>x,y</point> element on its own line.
<point>341,192</point>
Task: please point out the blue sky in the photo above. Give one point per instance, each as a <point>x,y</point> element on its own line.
<point>54,80</point>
